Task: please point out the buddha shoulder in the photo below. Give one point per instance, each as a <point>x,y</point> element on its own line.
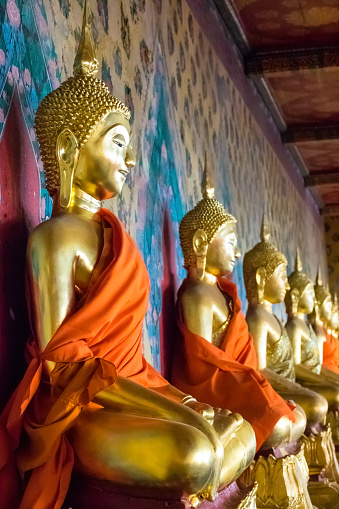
<point>195,293</point>
<point>293,324</point>
<point>64,237</point>
<point>257,314</point>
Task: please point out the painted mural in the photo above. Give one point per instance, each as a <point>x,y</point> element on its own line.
<point>158,60</point>
<point>332,249</point>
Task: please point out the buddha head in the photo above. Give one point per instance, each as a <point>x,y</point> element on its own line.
<point>264,270</point>
<point>83,132</point>
<point>323,298</point>
<point>208,236</point>
<point>301,296</point>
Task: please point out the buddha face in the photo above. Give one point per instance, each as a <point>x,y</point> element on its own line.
<point>325,310</point>
<point>222,251</point>
<point>277,285</point>
<point>105,160</point>
<point>306,301</point>
<point>334,319</point>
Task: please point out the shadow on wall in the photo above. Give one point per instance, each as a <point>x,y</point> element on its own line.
<point>168,328</point>
<point>19,211</point>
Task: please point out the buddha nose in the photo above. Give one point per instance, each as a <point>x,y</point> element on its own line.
<point>287,285</point>
<point>130,158</point>
<point>237,253</point>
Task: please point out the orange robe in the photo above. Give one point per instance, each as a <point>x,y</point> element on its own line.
<point>227,377</point>
<point>101,339</point>
<point>331,353</point>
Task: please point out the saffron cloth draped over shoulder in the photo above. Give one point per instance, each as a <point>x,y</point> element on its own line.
<point>101,339</point>
<point>227,377</point>
<point>331,353</point>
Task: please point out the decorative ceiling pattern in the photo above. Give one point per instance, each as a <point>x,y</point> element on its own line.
<point>308,95</point>
<point>320,155</point>
<point>288,23</point>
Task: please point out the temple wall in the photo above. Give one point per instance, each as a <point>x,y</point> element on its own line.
<point>332,249</point>
<point>171,62</point>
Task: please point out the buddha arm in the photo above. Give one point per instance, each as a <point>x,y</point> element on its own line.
<point>258,329</point>
<point>197,314</point>
<point>307,375</point>
<point>50,271</point>
<point>51,285</point>
<point>329,374</point>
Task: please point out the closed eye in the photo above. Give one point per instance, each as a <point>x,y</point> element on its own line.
<point>121,145</point>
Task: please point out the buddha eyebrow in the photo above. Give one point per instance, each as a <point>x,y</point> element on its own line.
<point>119,136</point>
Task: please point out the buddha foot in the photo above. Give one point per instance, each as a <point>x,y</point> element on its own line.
<point>233,497</point>
<point>282,482</point>
<point>321,456</point>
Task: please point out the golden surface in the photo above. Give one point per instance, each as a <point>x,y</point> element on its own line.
<point>140,437</point>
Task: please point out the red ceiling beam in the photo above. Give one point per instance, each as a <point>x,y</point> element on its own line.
<point>321,178</point>
<point>270,62</point>
<point>330,210</point>
<point>303,134</point>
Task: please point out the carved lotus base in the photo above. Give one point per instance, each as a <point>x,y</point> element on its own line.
<point>321,456</point>
<point>282,482</point>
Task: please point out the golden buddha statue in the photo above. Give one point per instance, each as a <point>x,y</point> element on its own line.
<point>266,284</point>
<point>325,323</point>
<point>89,398</point>
<point>307,347</point>
<point>217,362</point>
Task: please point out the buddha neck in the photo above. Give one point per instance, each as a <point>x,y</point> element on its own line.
<point>81,204</point>
<point>300,314</point>
<point>208,277</point>
<point>264,305</point>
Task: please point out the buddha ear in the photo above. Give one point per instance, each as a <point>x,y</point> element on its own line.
<point>67,154</point>
<point>260,277</point>
<point>200,246</point>
<point>200,243</point>
<point>295,296</point>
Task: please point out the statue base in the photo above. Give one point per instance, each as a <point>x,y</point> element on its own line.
<point>323,495</point>
<point>86,493</point>
<point>321,456</point>
<point>282,482</point>
<point>333,419</point>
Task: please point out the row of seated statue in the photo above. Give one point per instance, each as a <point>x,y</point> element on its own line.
<point>90,403</point>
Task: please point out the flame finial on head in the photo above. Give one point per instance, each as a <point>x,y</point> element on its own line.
<point>85,62</point>
<point>207,186</point>
<point>264,231</point>
<point>319,281</point>
<point>298,265</point>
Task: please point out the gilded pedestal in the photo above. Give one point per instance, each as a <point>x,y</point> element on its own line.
<point>323,467</point>
<point>282,482</point>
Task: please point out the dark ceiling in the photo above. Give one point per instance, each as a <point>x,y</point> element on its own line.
<point>291,52</point>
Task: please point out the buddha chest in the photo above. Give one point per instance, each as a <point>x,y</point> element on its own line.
<point>279,355</point>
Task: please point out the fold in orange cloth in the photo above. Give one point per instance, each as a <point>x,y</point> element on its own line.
<point>331,353</point>
<point>101,339</point>
<point>226,377</point>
